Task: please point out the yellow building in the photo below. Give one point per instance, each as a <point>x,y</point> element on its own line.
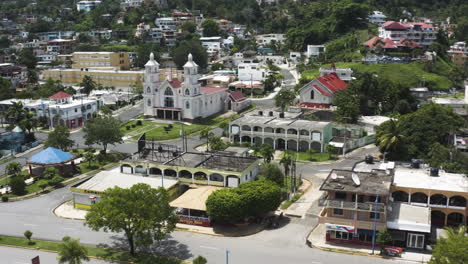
<point>104,76</point>
<point>119,60</point>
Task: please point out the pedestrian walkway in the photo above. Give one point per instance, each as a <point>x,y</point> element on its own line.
<point>301,206</point>
<point>317,239</point>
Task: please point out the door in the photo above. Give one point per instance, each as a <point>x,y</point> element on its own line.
<point>415,241</point>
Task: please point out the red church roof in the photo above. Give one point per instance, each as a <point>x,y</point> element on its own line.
<point>332,82</point>
<point>60,95</point>
<point>237,96</point>
<point>321,91</point>
<point>175,83</point>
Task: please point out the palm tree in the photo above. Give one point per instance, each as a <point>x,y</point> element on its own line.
<point>287,161</point>
<point>16,113</point>
<point>206,134</point>
<point>389,138</point>
<point>267,153</point>
<point>29,123</point>
<point>72,252</point>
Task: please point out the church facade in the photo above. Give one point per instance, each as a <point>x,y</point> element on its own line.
<point>175,100</point>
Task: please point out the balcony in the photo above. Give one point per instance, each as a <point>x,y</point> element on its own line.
<point>361,224</point>
<point>367,207</point>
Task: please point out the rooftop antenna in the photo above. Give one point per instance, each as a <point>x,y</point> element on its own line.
<point>355,178</point>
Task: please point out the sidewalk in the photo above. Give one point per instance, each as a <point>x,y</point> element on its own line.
<point>317,239</point>
<point>301,206</point>
<point>66,210</point>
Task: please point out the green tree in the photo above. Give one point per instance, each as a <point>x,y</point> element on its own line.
<point>461,31</point>
<point>383,238</point>
<point>272,172</point>
<point>189,26</point>
<point>199,260</point>
<point>56,181</point>
<point>143,52</point>
<point>347,103</point>
<point>217,144</point>
<point>206,134</point>
<point>17,185</point>
<point>141,212</point>
<point>88,84</point>
<point>29,123</point>
<point>5,89</point>
<point>90,158</point>
<point>103,130</point>
<point>193,47</point>
<point>16,113</point>
<point>27,58</point>
<point>284,99</point>
<point>452,249</point>
<point>389,137</point>
<point>106,110</point>
<point>13,168</point>
<point>267,153</point>
<point>50,172</point>
<point>210,28</point>
<point>28,234</point>
<point>42,184</point>
<point>287,161</point>
<point>60,138</point>
<point>72,252</point>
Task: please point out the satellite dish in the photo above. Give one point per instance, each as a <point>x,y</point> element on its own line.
<point>334,176</point>
<point>355,178</point>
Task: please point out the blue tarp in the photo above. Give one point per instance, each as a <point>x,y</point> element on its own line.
<point>51,155</point>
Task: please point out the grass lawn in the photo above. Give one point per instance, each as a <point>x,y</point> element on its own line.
<point>160,133</point>
<point>315,157</point>
<point>410,75</point>
<point>101,252</point>
<point>285,205</point>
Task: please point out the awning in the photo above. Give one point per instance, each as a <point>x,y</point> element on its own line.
<point>407,217</point>
<point>194,199</point>
<point>340,228</point>
<point>336,144</point>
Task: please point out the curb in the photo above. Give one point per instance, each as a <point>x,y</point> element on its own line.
<point>70,218</point>
<point>221,235</point>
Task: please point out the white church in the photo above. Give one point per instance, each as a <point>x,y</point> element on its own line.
<point>175,100</point>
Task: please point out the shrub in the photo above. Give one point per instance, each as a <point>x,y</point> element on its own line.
<point>28,234</point>
<point>4,199</point>
<point>170,126</point>
<point>56,181</point>
<point>127,127</point>
<point>139,123</point>
<point>18,186</point>
<point>50,172</point>
<point>133,125</point>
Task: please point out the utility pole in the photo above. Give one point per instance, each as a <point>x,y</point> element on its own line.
<point>227,256</point>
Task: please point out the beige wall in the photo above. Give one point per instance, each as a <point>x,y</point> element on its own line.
<point>97,59</point>
<point>116,79</point>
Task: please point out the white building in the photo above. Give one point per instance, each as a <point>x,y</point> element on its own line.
<point>251,72</point>
<point>61,109</point>
<point>86,6</point>
<point>315,50</point>
<point>172,99</point>
<point>320,92</point>
<point>421,33</point>
<point>212,45</point>
<point>377,17</point>
<point>267,39</point>
<point>132,3</point>
<point>166,23</point>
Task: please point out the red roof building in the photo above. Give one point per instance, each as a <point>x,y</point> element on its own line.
<point>237,96</point>
<point>60,95</point>
<point>321,91</point>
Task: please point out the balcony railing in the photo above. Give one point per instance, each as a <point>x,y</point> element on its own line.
<point>369,207</point>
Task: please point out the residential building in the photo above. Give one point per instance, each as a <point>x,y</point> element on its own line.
<point>225,25</point>
<point>176,100</point>
<point>166,23</point>
<point>387,44</point>
<point>132,3</point>
<point>459,54</point>
<point>87,6</point>
<point>315,50</point>
<point>46,58</point>
<point>105,34</point>
<point>345,74</point>
<point>251,72</point>
<point>213,45</point>
<point>236,101</point>
<point>217,80</point>
<point>280,131</point>
<point>60,109</point>
<point>354,203</point>
<point>319,92</point>
<point>421,94</point>
<point>17,75</point>
<point>377,17</point>
<point>459,105</point>
<point>446,194</point>
<point>48,36</point>
<point>118,60</point>
<point>461,140</point>
<point>61,46</point>
<point>421,33</point>
<point>267,2</point>
<point>267,39</point>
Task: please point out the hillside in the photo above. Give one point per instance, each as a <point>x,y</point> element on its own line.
<point>410,75</point>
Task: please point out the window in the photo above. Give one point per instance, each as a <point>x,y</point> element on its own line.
<point>168,102</point>
<point>312,94</point>
<point>337,212</point>
<point>341,235</point>
<point>415,240</point>
<point>76,110</point>
<point>374,216</point>
<point>148,90</point>
<point>187,105</point>
<point>149,102</point>
<point>187,92</point>
<point>340,196</point>
<point>168,91</point>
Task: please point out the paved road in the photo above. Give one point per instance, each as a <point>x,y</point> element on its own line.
<point>283,245</point>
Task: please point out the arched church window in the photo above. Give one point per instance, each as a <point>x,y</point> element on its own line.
<point>168,91</point>
<point>148,90</point>
<point>187,92</point>
<point>168,102</point>
<point>149,102</point>
<point>187,105</point>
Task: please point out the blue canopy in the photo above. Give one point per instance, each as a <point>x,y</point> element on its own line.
<point>51,155</point>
